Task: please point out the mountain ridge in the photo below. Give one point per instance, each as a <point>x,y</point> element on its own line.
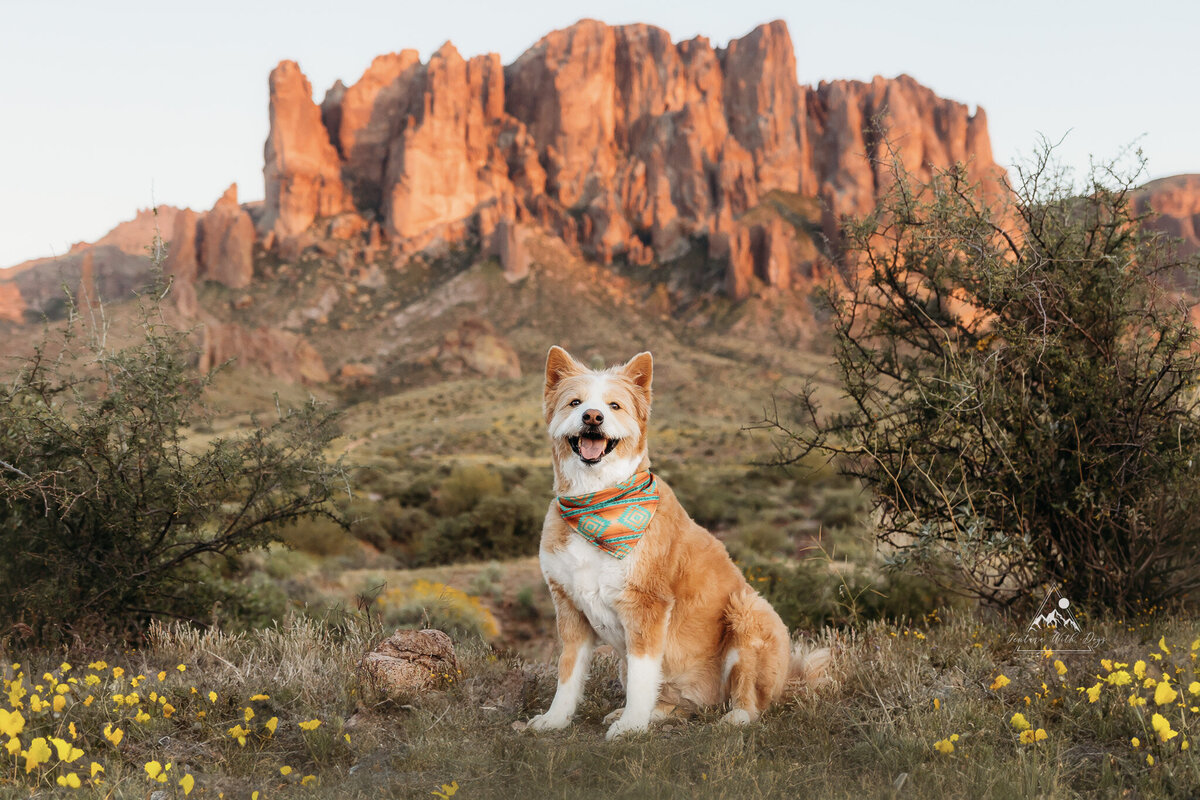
<point>695,178</point>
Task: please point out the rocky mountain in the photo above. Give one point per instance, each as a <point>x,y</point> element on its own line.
<point>681,171</point>
<point>1175,202</point>
<point>616,140</point>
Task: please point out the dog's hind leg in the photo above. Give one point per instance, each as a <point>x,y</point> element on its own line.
<point>577,639</point>
<point>756,659</point>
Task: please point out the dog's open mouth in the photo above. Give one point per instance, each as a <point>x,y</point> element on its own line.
<point>591,446</point>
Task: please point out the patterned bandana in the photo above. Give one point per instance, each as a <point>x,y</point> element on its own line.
<point>613,519</point>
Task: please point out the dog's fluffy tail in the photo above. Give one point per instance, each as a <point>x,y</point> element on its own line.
<point>809,667</point>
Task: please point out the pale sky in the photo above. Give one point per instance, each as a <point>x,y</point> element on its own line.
<point>110,106</point>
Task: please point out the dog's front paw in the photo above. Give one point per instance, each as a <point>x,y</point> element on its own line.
<point>546,722</point>
<point>739,716</point>
<point>613,716</point>
<point>622,726</point>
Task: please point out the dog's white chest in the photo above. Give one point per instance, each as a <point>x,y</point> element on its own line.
<point>594,580</point>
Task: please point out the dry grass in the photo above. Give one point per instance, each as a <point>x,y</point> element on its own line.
<point>871,731</point>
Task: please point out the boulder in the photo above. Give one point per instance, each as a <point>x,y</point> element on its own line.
<point>475,347</point>
<point>410,661</point>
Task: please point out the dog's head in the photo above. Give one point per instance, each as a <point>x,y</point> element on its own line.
<point>597,417</point>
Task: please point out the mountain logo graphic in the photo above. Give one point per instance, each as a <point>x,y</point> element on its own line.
<point>1054,613</point>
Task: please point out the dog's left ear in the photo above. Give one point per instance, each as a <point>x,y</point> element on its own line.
<point>640,370</point>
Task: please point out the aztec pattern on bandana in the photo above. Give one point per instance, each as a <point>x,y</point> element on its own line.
<point>613,519</point>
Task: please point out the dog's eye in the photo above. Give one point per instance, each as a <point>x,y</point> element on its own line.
<point>574,403</point>
<point>615,406</point>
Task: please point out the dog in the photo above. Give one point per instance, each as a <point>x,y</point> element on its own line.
<point>626,566</point>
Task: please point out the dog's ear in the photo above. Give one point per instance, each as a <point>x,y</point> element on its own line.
<point>559,365</point>
<point>640,370</point>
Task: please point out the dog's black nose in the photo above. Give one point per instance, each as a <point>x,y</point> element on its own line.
<point>592,417</point>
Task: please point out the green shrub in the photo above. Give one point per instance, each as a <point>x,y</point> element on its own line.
<point>105,515</point>
<point>466,487</point>
<point>434,605</point>
<point>1020,389</point>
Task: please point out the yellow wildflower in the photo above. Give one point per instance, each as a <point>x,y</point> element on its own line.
<point>308,780</point>
<point>13,747</point>
<point>1000,682</point>
<point>162,676</point>
<point>59,703</point>
<point>260,697</point>
<point>1135,742</point>
<point>181,667</point>
<point>141,717</point>
<point>1119,678</point>
<point>95,768</point>
<point>1060,667</point>
<point>1019,722</point>
<point>156,771</point>
<point>11,723</point>
<point>187,782</point>
<point>1162,727</point>
<point>1136,700</point>
<point>66,751</point>
<point>310,725</point>
<point>272,723</point>
<point>118,672</point>
<point>1162,645</point>
<point>1094,693</point>
<point>168,710</point>
<point>1139,669</point>
<point>113,735</point>
<point>1149,759</point>
<point>70,780</point>
<point>285,770</point>
<point>37,754</point>
<point>212,697</point>
<point>248,714</point>
<point>239,733</point>
<point>1194,687</point>
<point>1164,694</point>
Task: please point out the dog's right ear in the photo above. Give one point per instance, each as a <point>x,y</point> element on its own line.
<point>559,365</point>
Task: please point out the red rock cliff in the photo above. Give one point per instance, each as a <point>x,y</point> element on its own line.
<point>1176,203</point>
<point>616,139</point>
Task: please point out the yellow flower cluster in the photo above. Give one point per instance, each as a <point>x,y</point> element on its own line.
<point>49,725</point>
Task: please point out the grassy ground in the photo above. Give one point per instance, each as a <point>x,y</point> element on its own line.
<point>899,696</point>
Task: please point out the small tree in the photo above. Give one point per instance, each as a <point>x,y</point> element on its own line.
<point>1021,388</point>
<point>108,514</point>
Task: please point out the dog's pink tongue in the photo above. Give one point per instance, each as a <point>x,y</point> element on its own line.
<point>591,449</point>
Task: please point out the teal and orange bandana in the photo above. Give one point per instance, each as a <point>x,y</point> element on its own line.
<point>613,519</point>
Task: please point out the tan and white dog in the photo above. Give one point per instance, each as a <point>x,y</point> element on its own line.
<point>689,630</point>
